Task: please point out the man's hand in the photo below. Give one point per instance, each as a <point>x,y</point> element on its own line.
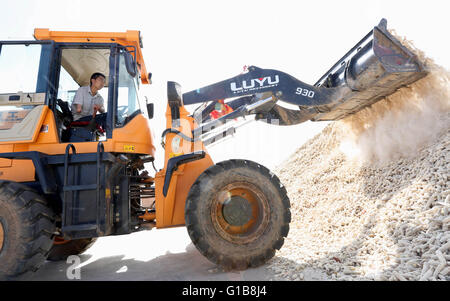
<point>98,108</point>
<point>95,111</point>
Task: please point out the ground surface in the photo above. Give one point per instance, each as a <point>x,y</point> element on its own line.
<point>161,254</point>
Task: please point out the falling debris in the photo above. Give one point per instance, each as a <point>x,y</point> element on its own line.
<point>370,195</point>
<point>399,124</point>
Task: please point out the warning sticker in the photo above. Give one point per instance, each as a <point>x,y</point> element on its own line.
<point>128,148</point>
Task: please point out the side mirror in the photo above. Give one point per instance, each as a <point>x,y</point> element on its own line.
<point>130,64</point>
<point>150,110</point>
<point>150,78</point>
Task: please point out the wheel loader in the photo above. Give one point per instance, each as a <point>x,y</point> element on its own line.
<point>65,183</point>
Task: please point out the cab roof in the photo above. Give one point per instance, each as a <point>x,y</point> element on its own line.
<point>128,38</point>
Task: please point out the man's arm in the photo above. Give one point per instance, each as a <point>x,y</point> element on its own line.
<point>78,101</point>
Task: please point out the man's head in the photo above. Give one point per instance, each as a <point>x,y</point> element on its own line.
<point>97,80</point>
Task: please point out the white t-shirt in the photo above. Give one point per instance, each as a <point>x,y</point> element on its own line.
<point>85,98</point>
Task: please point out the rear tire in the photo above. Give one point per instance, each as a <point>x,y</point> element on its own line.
<point>237,214</point>
<point>62,249</point>
<point>27,228</point>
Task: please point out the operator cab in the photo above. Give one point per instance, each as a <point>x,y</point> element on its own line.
<point>76,66</point>
<point>48,73</point>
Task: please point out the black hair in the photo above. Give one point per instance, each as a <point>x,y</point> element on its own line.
<point>95,76</point>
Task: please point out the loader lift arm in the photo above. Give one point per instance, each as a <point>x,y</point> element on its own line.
<point>374,68</point>
<point>259,80</point>
<point>258,84</point>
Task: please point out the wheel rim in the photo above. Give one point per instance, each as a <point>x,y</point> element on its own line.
<point>240,212</point>
<point>2,236</point>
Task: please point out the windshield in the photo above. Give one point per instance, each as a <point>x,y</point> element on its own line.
<point>127,100</point>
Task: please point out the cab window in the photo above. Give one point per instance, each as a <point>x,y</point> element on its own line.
<point>128,99</point>
<point>77,66</point>
<point>22,95</point>
<point>19,67</point>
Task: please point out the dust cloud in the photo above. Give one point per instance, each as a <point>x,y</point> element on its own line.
<point>398,125</point>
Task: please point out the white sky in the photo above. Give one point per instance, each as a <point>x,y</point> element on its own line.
<point>196,43</point>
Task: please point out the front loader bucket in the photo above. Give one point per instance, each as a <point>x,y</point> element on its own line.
<point>374,68</point>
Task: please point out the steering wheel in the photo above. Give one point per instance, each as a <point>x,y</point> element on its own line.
<point>122,112</point>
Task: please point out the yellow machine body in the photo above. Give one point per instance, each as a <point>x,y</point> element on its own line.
<point>134,138</point>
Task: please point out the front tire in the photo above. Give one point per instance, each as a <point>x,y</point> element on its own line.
<point>27,227</point>
<point>237,214</point>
